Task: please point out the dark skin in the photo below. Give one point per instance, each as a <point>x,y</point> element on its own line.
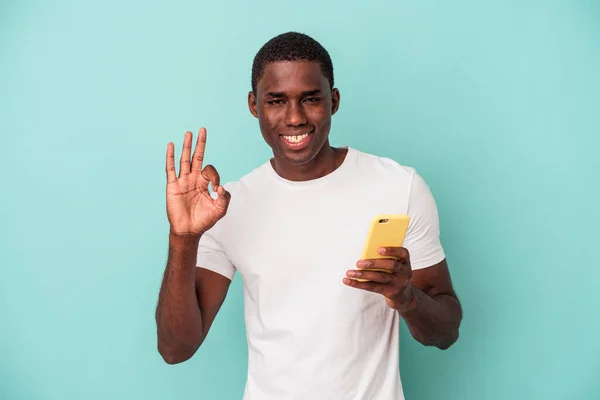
<point>425,298</point>
<point>291,98</point>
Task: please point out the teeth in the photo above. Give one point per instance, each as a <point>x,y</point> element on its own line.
<point>296,139</point>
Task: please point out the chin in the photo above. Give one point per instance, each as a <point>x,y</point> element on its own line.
<point>301,157</point>
<point>298,158</point>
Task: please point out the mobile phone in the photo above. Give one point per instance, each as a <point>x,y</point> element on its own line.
<point>386,230</point>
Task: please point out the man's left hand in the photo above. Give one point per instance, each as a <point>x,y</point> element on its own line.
<point>394,284</point>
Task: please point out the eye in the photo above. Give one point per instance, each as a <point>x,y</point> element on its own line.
<point>275,102</point>
<point>312,99</point>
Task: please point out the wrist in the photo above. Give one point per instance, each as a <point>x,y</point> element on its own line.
<point>184,239</point>
<point>184,235</point>
<point>409,302</point>
<point>183,249</point>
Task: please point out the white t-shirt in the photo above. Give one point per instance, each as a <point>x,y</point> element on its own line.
<point>309,335</point>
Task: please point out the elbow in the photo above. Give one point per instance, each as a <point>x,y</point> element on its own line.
<point>173,358</point>
<point>448,342</point>
<point>176,354</point>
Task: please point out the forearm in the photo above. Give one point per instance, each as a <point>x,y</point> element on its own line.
<point>433,321</point>
<point>178,317</point>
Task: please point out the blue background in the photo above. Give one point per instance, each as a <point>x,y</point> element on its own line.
<point>495,103</point>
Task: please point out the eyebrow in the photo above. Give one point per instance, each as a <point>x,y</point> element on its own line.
<point>304,94</point>
<point>311,92</point>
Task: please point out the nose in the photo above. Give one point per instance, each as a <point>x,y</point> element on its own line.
<point>294,115</point>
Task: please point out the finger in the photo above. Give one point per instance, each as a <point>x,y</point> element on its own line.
<point>198,157</point>
<point>223,199</point>
<point>184,161</point>
<point>369,286</point>
<point>170,168</point>
<point>386,265</point>
<point>403,269</point>
<point>210,174</point>
<point>399,253</point>
<point>373,276</point>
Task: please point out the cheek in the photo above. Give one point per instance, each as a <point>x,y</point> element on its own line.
<point>324,122</point>
<point>268,127</point>
<point>268,120</point>
<point>320,117</point>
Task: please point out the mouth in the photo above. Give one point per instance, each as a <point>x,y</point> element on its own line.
<point>297,142</point>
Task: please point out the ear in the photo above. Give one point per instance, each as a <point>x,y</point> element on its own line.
<point>252,104</point>
<point>335,100</point>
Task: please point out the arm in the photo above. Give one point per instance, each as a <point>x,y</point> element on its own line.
<point>422,292</point>
<point>189,297</point>
<point>189,301</point>
<point>434,313</point>
<point>424,298</point>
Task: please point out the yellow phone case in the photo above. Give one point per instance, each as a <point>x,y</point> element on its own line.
<point>386,230</point>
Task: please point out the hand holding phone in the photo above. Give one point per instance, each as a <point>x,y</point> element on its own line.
<point>386,230</point>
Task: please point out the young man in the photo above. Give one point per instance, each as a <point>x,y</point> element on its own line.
<point>294,229</point>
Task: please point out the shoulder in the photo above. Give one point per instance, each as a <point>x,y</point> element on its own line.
<point>244,193</point>
<point>385,168</point>
<point>247,191</point>
<point>254,180</point>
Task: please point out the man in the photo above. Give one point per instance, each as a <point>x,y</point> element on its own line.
<point>294,229</point>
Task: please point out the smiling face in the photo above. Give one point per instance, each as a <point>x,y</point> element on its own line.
<point>294,104</point>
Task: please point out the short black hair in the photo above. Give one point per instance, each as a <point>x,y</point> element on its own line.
<point>291,46</point>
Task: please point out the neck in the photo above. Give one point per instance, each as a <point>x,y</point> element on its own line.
<point>324,163</point>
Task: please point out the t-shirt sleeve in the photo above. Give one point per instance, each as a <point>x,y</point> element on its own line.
<point>423,234</point>
<point>211,256</point>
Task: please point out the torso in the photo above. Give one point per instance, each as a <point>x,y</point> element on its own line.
<point>309,335</point>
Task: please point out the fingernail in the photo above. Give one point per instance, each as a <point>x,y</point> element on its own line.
<point>381,250</point>
<point>352,273</point>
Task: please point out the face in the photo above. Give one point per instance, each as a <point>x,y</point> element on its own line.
<point>294,104</point>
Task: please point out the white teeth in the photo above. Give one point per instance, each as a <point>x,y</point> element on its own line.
<point>296,139</point>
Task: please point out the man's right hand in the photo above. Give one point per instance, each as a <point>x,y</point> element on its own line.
<point>190,208</point>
